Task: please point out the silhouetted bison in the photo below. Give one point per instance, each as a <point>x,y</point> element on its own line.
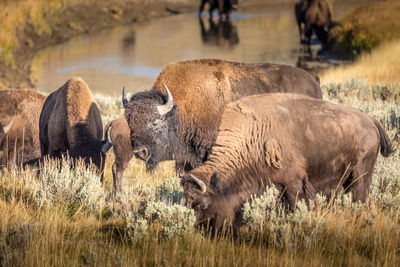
<point>22,107</point>
<point>70,121</point>
<point>224,6</point>
<point>301,145</point>
<point>314,15</point>
<point>182,124</point>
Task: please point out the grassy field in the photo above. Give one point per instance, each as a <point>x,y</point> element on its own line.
<point>64,217</point>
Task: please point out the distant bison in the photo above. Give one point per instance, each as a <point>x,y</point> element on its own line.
<point>314,15</point>
<point>70,121</point>
<point>19,112</point>
<point>182,124</point>
<point>224,6</point>
<point>301,145</point>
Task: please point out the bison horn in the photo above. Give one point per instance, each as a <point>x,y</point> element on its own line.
<point>8,127</point>
<point>106,147</point>
<point>200,183</point>
<point>124,100</point>
<point>165,108</point>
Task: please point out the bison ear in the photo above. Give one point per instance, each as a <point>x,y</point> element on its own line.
<point>215,183</point>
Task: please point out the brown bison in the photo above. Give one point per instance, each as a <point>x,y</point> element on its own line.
<point>120,137</point>
<point>70,121</point>
<point>22,108</point>
<point>182,124</point>
<point>224,6</point>
<point>314,15</point>
<point>301,145</point>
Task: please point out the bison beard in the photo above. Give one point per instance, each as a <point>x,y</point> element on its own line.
<point>301,145</point>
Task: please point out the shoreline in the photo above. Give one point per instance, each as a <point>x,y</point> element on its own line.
<point>72,20</point>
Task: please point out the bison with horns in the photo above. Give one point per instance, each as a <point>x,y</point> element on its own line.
<point>301,145</point>
<point>19,139</point>
<point>182,124</point>
<point>70,121</point>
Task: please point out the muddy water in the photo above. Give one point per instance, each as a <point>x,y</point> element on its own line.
<point>133,55</point>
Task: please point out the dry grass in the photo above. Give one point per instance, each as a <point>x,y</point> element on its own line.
<point>382,65</point>
<point>119,233</point>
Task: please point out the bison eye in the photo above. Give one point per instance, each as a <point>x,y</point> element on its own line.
<point>155,123</point>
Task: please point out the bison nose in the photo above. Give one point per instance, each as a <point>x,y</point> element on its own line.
<point>141,153</point>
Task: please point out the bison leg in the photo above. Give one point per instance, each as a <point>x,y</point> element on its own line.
<point>359,180</point>
<point>203,2</point>
<point>299,189</point>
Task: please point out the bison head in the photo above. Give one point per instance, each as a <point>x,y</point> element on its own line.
<point>152,119</point>
<point>92,152</point>
<point>211,205</point>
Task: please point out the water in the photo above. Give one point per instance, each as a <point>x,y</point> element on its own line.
<point>133,55</point>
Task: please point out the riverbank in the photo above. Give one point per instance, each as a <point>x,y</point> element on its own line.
<point>32,25</point>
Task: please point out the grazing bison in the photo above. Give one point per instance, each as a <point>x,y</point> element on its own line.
<point>314,15</point>
<point>70,121</point>
<point>22,108</point>
<point>301,145</point>
<point>224,6</point>
<point>182,124</point>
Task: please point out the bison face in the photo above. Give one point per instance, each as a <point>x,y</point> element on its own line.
<point>202,199</point>
<point>152,126</point>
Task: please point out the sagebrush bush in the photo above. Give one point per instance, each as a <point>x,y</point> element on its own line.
<point>76,186</point>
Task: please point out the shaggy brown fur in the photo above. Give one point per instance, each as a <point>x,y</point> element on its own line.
<point>70,121</point>
<point>302,145</point>
<point>24,107</point>
<point>201,89</point>
<point>119,133</point>
<point>314,15</point>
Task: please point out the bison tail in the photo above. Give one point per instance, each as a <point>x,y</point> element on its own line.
<point>386,144</point>
<point>108,125</point>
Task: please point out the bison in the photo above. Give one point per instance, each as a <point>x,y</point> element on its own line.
<point>301,145</point>
<point>22,108</point>
<point>224,6</point>
<point>70,121</point>
<point>122,148</point>
<point>182,124</point>
<point>314,15</point>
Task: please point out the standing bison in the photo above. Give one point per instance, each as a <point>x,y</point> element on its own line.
<point>70,121</point>
<point>301,145</point>
<point>19,111</point>
<point>182,124</point>
<point>314,15</point>
<point>224,6</point>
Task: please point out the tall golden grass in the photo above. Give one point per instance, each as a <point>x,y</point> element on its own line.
<point>379,66</point>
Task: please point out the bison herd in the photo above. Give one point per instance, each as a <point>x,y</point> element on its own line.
<point>232,129</point>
